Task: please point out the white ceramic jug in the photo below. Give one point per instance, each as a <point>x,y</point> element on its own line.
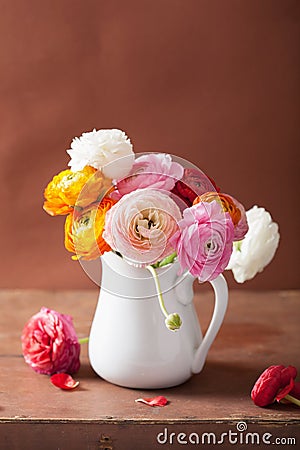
<point>129,343</point>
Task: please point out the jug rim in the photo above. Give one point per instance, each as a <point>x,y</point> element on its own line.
<point>119,258</point>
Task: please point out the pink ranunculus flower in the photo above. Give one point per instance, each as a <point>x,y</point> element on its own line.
<point>233,207</point>
<point>50,344</point>
<point>204,240</point>
<point>155,170</point>
<point>140,226</point>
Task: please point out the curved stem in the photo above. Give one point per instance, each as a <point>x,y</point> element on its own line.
<point>292,399</point>
<point>158,290</point>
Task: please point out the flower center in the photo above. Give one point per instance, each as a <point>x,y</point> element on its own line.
<point>210,246</point>
<point>145,223</point>
<point>68,180</point>
<point>85,221</point>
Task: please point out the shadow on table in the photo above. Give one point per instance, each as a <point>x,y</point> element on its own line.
<point>220,379</point>
<point>225,380</point>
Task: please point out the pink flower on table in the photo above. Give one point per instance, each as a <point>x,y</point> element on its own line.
<point>155,170</point>
<point>204,240</point>
<point>140,226</point>
<point>50,344</point>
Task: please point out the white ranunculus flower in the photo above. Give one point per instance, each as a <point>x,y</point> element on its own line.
<point>107,150</point>
<point>256,250</point>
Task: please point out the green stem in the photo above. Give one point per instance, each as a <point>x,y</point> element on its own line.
<point>292,399</point>
<point>158,290</point>
<point>83,340</point>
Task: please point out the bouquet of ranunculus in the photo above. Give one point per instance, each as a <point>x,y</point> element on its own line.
<point>153,208</point>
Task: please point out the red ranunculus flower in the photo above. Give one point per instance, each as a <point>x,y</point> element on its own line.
<point>50,344</point>
<point>192,184</point>
<point>273,384</point>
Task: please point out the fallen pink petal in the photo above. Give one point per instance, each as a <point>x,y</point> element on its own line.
<point>64,381</point>
<point>155,401</point>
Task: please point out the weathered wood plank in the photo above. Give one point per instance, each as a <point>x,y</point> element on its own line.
<point>260,329</point>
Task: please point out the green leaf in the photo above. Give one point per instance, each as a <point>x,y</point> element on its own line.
<point>167,260</point>
<point>238,245</point>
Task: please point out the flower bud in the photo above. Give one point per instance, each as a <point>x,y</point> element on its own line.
<point>173,322</point>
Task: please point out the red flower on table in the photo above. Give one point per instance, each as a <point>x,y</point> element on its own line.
<point>276,383</point>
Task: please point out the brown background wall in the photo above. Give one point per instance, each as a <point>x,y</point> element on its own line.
<point>215,82</point>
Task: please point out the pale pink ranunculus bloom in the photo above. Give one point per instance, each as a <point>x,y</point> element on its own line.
<point>204,240</point>
<point>155,170</point>
<point>50,344</point>
<point>140,226</point>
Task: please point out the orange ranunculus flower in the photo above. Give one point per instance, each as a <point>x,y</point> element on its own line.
<point>233,207</point>
<point>68,189</point>
<point>84,228</point>
<point>225,201</point>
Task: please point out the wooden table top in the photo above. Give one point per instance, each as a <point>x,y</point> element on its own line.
<point>260,329</point>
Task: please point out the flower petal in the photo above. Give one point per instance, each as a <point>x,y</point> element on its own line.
<point>63,381</point>
<point>295,392</point>
<point>155,401</point>
<point>285,390</point>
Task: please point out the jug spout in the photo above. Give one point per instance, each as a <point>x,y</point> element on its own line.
<point>184,288</point>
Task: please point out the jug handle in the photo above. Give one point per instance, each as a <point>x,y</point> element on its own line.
<point>221,300</point>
